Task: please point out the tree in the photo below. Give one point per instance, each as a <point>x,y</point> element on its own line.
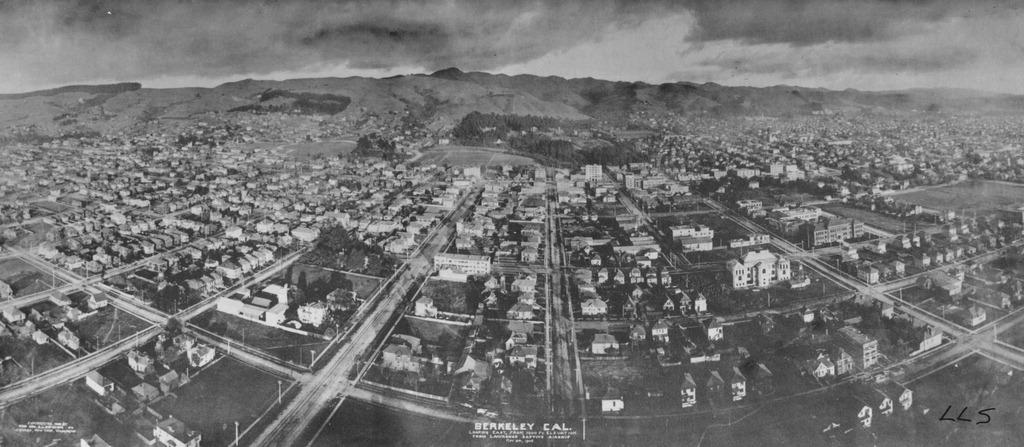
<point>174,325</point>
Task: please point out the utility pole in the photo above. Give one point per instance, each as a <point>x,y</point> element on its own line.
<point>279,391</point>
<point>236,433</point>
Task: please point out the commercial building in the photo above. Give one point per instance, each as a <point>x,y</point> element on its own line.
<point>472,264</point>
<point>862,348</point>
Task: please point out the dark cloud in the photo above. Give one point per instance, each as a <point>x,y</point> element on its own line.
<point>807,22</point>
<point>62,41</point>
<point>867,59</point>
<point>66,41</point>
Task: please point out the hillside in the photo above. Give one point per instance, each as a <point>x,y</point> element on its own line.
<point>442,98</point>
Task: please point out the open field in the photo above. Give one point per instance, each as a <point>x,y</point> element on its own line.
<point>25,279</point>
<point>453,297</point>
<point>226,392</point>
<point>981,196</point>
<point>880,221</point>
<point>317,282</point>
<point>471,156</point>
<point>109,325</point>
<point>312,149</point>
<point>71,404</point>
<point>287,346</point>
<point>27,358</point>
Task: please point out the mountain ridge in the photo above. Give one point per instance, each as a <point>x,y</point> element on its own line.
<point>441,98</point>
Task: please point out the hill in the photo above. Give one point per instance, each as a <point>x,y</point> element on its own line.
<point>444,97</point>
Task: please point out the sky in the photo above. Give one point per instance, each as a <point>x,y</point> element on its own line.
<point>835,44</point>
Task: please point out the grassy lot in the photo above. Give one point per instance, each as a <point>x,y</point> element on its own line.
<point>325,148</point>
<point>25,279</point>
<point>610,209</point>
<point>723,299</point>
<point>226,392</point>
<point>453,297</point>
<point>317,282</point>
<point>449,338</point>
<point>287,346</point>
<point>71,404</point>
<point>982,196</point>
<point>53,206</point>
<point>108,325</point>
<point>881,221</point>
<point>471,156</point>
<point>977,383</point>
<point>30,356</point>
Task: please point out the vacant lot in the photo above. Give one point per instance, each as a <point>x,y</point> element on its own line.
<point>226,392</point>
<point>982,196</point>
<point>25,279</point>
<point>27,358</point>
<point>325,148</point>
<point>71,404</point>
<point>880,221</point>
<point>108,325</point>
<point>287,346</point>
<point>317,282</point>
<point>471,156</point>
<point>454,297</point>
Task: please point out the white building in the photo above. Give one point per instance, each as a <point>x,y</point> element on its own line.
<point>313,313</point>
<point>593,173</point>
<point>758,269</point>
<point>472,264</point>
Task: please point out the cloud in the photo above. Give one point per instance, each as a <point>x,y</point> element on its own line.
<point>47,43</point>
<point>807,22</point>
<point>70,41</point>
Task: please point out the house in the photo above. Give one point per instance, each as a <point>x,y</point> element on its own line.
<point>13,315</point>
<point>140,362</point>
<point>880,403</point>
<point>594,307</point>
<point>637,335</point>
<point>40,337</point>
<point>313,313</point>
<point>821,367</point>
<point>932,339</point>
<point>738,384</point>
<point>145,392</point>
<point>715,386</point>
<point>425,307</point>
<point>200,356</point>
<point>899,394</point>
<point>173,433</point>
<point>688,391</point>
<point>68,339</point>
<point>398,357</point>
<point>842,360</point>
<point>714,329</point>
<point>517,338</point>
<point>700,304</point>
<point>169,381</point>
<point>612,401</point>
<point>659,332</point>
<point>974,316</point>
<point>520,311</point>
<point>524,355</point>
<point>101,385</point>
<point>603,342</point>
<point>476,373</point>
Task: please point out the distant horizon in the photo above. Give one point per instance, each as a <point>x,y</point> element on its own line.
<point>214,83</point>
<point>867,45</point>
